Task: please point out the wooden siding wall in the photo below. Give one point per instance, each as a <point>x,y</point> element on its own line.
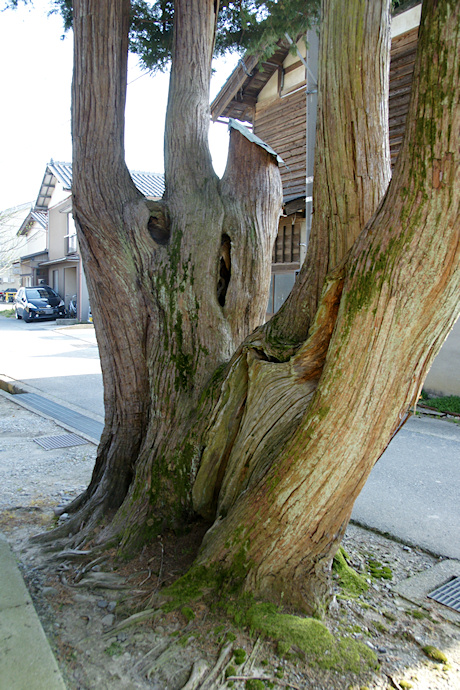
<point>403,49</point>
<point>282,124</point>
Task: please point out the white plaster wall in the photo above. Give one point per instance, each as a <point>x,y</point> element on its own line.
<point>36,240</point>
<point>291,80</point>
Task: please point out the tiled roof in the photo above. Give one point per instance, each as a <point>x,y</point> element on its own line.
<point>40,217</point>
<point>63,171</point>
<point>149,184</point>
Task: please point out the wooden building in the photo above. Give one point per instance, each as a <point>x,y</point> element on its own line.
<point>278,99</point>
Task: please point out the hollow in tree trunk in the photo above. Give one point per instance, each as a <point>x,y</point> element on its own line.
<point>268,431</point>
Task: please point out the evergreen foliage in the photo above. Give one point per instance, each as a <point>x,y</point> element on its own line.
<point>243,25</point>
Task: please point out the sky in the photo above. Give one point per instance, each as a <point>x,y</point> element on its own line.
<point>35,84</point>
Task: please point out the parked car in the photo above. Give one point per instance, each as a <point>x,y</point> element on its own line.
<point>38,302</point>
<point>10,295</point>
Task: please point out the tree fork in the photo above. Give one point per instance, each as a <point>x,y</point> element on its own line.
<point>164,259</point>
<point>352,162</point>
<point>287,526</point>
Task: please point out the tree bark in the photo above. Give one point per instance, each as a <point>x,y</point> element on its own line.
<point>352,160</point>
<point>193,268</point>
<point>285,518</point>
<point>272,437</point>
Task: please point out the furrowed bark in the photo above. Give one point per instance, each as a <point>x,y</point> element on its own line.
<point>400,298</point>
<point>352,162</point>
<point>193,268</point>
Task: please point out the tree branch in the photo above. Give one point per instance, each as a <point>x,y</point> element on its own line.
<point>352,165</point>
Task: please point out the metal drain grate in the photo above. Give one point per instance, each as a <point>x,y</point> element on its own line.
<point>64,441</point>
<point>448,594</point>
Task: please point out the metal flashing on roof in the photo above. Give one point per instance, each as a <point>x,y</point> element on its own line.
<point>72,258</point>
<point>234,124</point>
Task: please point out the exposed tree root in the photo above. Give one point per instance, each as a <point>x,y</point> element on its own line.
<point>223,658</point>
<point>199,670</point>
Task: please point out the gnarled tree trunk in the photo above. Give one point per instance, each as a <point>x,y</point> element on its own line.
<point>175,285</point>
<point>269,431</point>
<point>283,511</point>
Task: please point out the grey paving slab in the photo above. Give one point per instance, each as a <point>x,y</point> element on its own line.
<point>417,588</point>
<point>26,659</point>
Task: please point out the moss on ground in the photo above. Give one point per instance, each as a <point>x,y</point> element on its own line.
<point>320,646</point>
<point>309,636</point>
<point>352,583</point>
<point>434,653</point>
<point>378,570</point>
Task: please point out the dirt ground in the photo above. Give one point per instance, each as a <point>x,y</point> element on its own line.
<point>85,608</point>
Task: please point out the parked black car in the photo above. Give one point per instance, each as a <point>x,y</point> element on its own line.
<point>38,302</point>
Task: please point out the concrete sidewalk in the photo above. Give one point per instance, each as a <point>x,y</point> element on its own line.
<point>26,659</point>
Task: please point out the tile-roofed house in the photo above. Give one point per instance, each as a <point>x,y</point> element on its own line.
<point>52,254</point>
<point>149,184</point>
<point>152,185</point>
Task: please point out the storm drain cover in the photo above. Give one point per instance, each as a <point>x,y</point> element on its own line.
<point>64,441</point>
<point>448,594</point>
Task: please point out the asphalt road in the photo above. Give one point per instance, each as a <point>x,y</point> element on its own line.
<point>412,493</point>
<point>59,362</point>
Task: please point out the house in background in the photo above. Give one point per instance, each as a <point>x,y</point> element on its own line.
<point>278,99</point>
<point>11,246</point>
<point>52,255</point>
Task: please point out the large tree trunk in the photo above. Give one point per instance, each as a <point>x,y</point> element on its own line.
<point>275,447</point>
<point>175,285</point>
<point>352,162</point>
<point>282,511</point>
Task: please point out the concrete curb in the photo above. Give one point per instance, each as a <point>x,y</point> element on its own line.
<point>26,659</point>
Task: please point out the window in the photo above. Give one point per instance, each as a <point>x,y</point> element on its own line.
<point>280,287</point>
<point>72,244</point>
<point>287,244</point>
<point>71,236</point>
